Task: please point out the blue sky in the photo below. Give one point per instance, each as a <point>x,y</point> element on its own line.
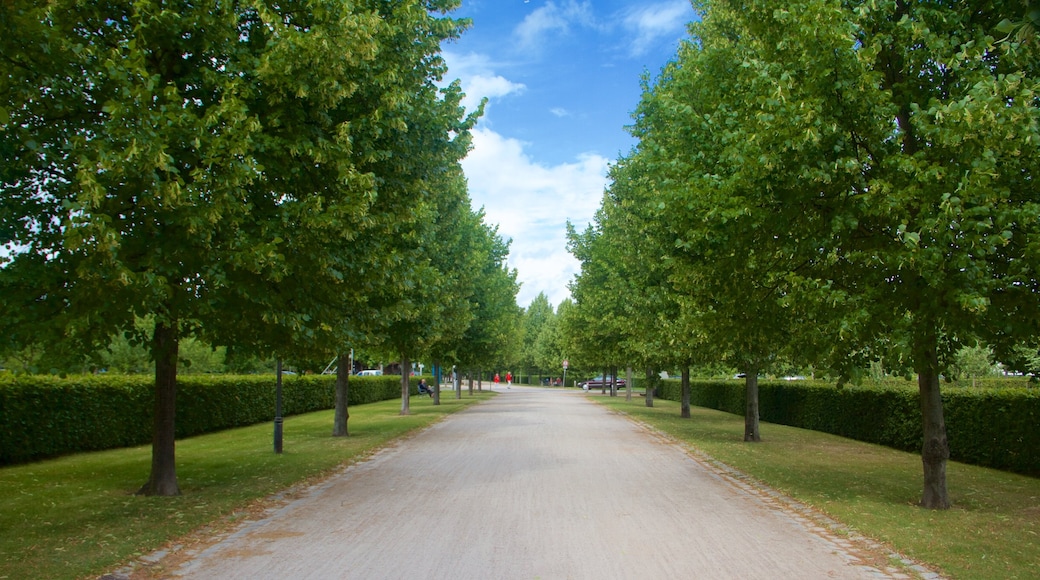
<point>562,78</point>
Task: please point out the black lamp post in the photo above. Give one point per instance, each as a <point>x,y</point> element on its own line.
<point>278,409</point>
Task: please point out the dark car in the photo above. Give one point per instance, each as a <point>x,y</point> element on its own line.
<point>598,383</point>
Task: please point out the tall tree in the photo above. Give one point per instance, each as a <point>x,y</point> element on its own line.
<point>868,166</point>
<point>492,335</point>
<point>598,323</point>
<point>205,165</point>
<point>536,315</point>
<point>556,343</point>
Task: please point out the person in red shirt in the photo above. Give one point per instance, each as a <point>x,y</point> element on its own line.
<point>509,380</point>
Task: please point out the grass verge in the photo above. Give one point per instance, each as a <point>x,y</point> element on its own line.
<point>77,516</point>
<point>991,532</point>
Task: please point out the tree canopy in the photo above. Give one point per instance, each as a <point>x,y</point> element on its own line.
<point>840,181</point>
<point>255,174</point>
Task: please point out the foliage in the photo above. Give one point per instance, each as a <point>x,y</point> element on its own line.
<point>249,173</point>
<point>834,183</point>
<point>1025,359</point>
<point>535,317</point>
<point>489,334</point>
<point>973,362</point>
<point>45,416</point>
<point>992,535</point>
<point>988,427</point>
<point>492,337</point>
<point>74,517</point>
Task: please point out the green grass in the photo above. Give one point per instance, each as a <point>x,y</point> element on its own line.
<point>77,516</point>
<point>990,532</point>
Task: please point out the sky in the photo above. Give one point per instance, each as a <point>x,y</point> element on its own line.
<point>562,78</point>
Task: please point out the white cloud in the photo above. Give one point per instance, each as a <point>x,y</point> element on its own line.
<point>531,204</point>
<point>560,112</point>
<point>552,18</point>
<point>655,22</point>
<point>478,78</point>
<point>528,201</point>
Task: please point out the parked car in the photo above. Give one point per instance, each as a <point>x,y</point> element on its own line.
<point>598,383</point>
<point>370,373</point>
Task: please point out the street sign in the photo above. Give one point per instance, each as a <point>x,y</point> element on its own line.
<point>566,363</point>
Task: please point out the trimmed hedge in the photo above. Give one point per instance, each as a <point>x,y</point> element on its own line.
<point>44,416</point>
<point>998,428</point>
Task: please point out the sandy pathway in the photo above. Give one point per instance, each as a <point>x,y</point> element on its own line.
<point>532,484</point>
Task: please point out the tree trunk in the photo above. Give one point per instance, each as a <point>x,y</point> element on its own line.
<point>339,422</point>
<point>651,384</point>
<point>751,432</point>
<point>613,381</point>
<point>603,385</point>
<point>470,377</point>
<point>406,388</point>
<point>936,448</point>
<point>685,405</point>
<point>436,383</point>
<point>628,384</point>
<point>163,478</point>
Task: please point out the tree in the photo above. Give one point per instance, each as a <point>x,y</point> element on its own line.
<point>973,362</point>
<point>429,306</point>
<point>869,165</point>
<point>659,331</point>
<point>491,336</point>
<point>556,340</point>
<point>656,333</point>
<point>597,328</point>
<point>535,317</point>
<point>202,165</point>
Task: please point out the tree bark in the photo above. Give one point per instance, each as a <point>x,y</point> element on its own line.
<point>685,405</point>
<point>163,479</point>
<point>651,384</point>
<point>936,449</point>
<point>339,422</point>
<point>436,386</point>
<point>406,390</point>
<point>628,384</point>
<point>751,431</point>
<point>613,381</point>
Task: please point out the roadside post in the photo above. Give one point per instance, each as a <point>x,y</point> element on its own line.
<point>566,364</point>
<point>278,408</point>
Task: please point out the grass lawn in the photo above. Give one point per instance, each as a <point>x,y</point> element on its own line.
<point>77,516</point>
<point>992,530</point>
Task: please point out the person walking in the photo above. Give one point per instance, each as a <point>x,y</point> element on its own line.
<point>497,380</point>
<point>509,379</point>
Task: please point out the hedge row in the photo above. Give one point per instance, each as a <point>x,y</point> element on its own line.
<point>45,416</point>
<point>997,428</point>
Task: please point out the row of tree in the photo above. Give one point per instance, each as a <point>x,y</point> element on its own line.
<point>830,183</point>
<point>279,178</point>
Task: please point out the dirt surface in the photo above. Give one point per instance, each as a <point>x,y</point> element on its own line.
<point>533,484</point>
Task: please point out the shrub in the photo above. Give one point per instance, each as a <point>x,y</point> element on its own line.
<point>991,427</point>
<point>44,416</point>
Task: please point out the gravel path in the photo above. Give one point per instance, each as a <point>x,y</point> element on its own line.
<point>532,484</point>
